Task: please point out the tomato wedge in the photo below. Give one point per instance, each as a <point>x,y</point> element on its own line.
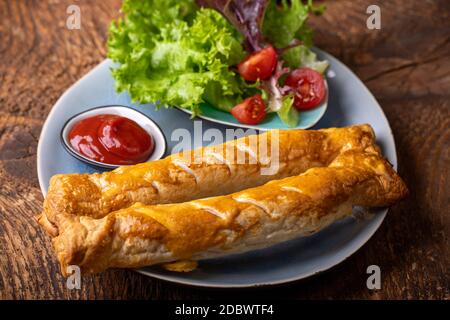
<point>250,111</point>
<point>259,65</point>
<point>308,86</point>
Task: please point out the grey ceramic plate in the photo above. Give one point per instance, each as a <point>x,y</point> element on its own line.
<point>349,103</point>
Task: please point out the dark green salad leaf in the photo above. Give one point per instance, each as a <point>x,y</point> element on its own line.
<point>286,21</point>
<point>177,53</point>
<point>245,16</point>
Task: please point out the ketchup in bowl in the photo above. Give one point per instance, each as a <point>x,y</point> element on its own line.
<point>111,139</point>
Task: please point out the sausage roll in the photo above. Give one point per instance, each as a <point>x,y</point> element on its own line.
<point>216,170</point>
<point>259,217</point>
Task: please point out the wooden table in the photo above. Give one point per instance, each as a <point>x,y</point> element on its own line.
<point>406,65</point>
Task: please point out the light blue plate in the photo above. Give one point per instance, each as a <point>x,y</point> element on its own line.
<point>349,103</point>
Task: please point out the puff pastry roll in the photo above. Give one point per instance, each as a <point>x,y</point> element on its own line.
<point>259,217</point>
<point>204,172</point>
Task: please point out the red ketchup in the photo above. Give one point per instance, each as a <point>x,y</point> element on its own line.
<point>111,139</point>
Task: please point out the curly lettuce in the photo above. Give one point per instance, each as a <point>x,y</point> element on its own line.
<point>175,54</point>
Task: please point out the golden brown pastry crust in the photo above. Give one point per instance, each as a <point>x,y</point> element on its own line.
<point>205,172</point>
<point>259,217</point>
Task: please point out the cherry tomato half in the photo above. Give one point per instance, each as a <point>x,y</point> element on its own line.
<point>250,111</point>
<point>308,86</point>
<point>259,65</point>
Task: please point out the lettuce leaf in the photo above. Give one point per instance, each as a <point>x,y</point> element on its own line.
<point>172,52</point>
<point>142,23</point>
<point>245,16</point>
<point>286,21</point>
<point>287,113</point>
<point>302,56</point>
<point>213,95</point>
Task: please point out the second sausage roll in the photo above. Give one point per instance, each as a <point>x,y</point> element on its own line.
<point>254,218</point>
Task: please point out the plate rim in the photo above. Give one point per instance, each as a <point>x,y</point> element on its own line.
<point>196,283</point>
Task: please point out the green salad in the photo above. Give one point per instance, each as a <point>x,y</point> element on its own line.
<point>244,57</point>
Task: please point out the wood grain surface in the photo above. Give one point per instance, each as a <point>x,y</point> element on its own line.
<point>406,65</point>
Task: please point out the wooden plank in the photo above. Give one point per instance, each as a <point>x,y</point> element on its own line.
<point>406,65</point>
